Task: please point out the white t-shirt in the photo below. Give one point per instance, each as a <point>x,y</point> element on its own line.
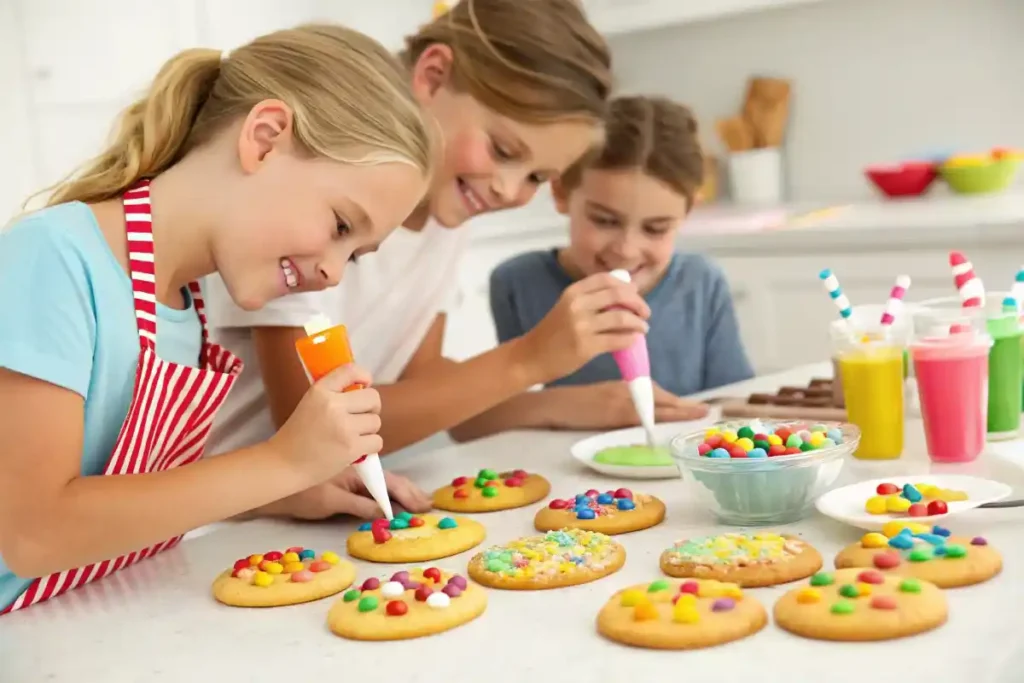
<point>388,300</point>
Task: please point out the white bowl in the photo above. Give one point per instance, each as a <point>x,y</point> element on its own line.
<point>847,504</point>
<point>584,450</point>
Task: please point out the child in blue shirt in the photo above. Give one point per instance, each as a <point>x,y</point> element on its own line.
<point>273,166</point>
<point>625,206</point>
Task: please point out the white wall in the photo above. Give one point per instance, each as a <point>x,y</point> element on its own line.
<point>874,79</point>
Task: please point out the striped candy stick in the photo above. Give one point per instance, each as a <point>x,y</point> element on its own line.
<point>895,302</point>
<point>968,285</point>
<point>835,292</point>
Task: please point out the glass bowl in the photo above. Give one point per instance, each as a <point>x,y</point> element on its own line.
<point>763,491</point>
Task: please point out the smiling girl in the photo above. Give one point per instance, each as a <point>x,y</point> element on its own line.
<point>303,146</point>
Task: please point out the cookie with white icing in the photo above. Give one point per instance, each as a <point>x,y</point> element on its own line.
<point>747,559</point>
<point>617,511</point>
<point>277,578</point>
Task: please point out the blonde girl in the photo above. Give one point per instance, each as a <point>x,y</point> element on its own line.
<point>303,147</point>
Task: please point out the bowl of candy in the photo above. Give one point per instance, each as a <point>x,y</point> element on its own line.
<point>908,179</point>
<point>981,173</point>
<point>763,472</point>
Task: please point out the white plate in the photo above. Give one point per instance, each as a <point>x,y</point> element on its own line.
<point>585,449</point>
<point>847,504</point>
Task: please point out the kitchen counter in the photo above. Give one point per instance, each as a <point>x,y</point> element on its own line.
<point>157,622</point>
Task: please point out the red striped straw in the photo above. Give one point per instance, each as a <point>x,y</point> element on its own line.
<point>895,302</point>
<point>968,285</point>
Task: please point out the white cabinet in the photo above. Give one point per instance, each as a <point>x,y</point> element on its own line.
<point>613,17</point>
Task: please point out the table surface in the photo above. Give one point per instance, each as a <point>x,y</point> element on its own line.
<point>156,621</point>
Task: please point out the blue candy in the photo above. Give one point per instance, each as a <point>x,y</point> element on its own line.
<point>625,504</point>
<point>719,453</point>
<point>365,526</point>
<point>399,523</point>
<point>757,453</point>
<point>934,539</point>
<point>585,513</point>
<point>939,550</point>
<point>940,531</point>
<point>447,523</point>
<point>308,554</point>
<point>835,434</point>
<point>911,493</point>
<point>901,542</point>
<point>581,498</point>
<point>606,499</point>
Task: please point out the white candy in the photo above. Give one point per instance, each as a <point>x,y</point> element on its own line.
<point>392,589</point>
<point>438,600</point>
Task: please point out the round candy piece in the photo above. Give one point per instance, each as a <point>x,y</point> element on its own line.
<point>703,448</point>
<point>757,453</point>
<point>806,446</point>
<point>460,481</point>
<point>606,499</point>
<point>396,608</point>
<point>849,591</point>
<point>241,564</point>
<point>558,504</point>
<point>920,555</point>
<point>911,493</point>
<point>370,584</point>
<point>886,602</point>
<point>910,585</point>
<point>487,474</point>
<point>871,577</point>
<point>776,450</point>
<point>451,590</point>
<point>447,523</point>
<point>745,433</point>
<point>255,560</point>
<point>808,596</point>
<point>459,582</point>
<point>774,440</point>
<point>792,450</point>
<point>400,577</point>
<point>368,603</point>
<point>718,453</point>
<point>842,607</point>
<point>433,574</point>
<point>625,504</point>
<point>351,595</point>
<point>623,493</point>
<point>416,521</point>
<point>937,507</point>
<point>873,539</point>
<point>745,443</point>
<point>399,523</point>
<point>422,593</point>
<point>978,540</point>
<point>794,441</point>
<point>392,589</point>
<point>876,505</point>
<point>886,560</point>
<point>737,452</point>
<point>513,482</point>
<point>460,493</point>
<point>438,600</point>
<point>955,551</point>
<point>723,605</point>
<point>585,513</point>
<point>381,535</point>
<point>918,510</point>
<point>273,556</point>
<point>490,491</point>
<point>365,526</point>
<point>658,586</point>
<point>897,504</point>
<point>302,576</point>
<point>689,587</point>
<point>262,579</point>
<point>822,579</point>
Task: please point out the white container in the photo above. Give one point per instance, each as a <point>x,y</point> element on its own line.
<point>755,176</point>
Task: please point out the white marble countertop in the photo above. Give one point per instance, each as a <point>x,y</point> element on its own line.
<point>157,622</point>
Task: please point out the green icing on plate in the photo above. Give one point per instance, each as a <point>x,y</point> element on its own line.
<point>634,456</point>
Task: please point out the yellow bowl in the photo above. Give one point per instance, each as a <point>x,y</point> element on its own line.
<point>978,175</point>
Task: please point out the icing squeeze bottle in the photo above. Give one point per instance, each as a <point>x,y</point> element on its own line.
<point>324,348</point>
<point>635,366</point>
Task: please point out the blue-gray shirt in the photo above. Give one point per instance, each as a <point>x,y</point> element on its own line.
<point>694,341</point>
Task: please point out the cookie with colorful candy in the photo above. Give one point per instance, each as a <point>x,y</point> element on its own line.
<point>491,490</point>
<point>926,552</point>
<point>680,615</point>
<point>617,511</point>
<point>914,500</point>
<point>277,578</point>
<point>861,605</point>
<point>552,560</point>
<point>409,604</point>
<point>414,538</point>
<point>746,559</point>
<point>758,440</point>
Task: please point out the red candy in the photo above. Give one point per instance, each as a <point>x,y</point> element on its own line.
<point>416,521</point>
<point>273,556</point>
<point>621,493</point>
<point>689,587</point>
<point>460,481</point>
<point>883,602</point>
<point>380,535</point>
<point>792,451</point>
<point>380,524</point>
<point>295,549</point>
<point>777,449</point>
<point>592,493</point>
<point>422,593</point>
<point>319,566</point>
<point>461,493</point>
<point>737,452</point>
<point>937,507</point>
<point>918,510</point>
<point>520,474</point>
<point>760,437</point>
<point>396,608</point>
<point>704,449</point>
<point>371,584</point>
<point>558,504</point>
<point>887,489</point>
<point>871,576</point>
<point>241,564</point>
<point>513,482</point>
<point>432,573</point>
<point>887,560</point>
<point>714,441</point>
<point>783,434</point>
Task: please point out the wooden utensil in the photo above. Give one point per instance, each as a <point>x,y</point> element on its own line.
<point>736,133</point>
<point>766,107</point>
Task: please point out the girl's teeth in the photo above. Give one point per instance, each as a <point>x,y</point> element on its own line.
<point>289,275</point>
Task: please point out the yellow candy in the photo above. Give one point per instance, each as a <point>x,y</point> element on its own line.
<point>731,590</point>
<point>863,589</point>
<point>686,599</point>
<point>273,567</point>
<point>808,596</point>
<point>926,490</point>
<point>328,557</point>
<point>729,437</point>
<point>745,443</point>
<point>892,528</point>
<point>767,535</point>
<point>293,567</point>
<point>262,579</point>
<point>774,440</point>
<point>645,611</point>
<point>255,560</point>
<point>685,614</point>
<point>711,432</point>
<point>876,505</point>
<point>950,495</point>
<point>817,438</point>
<point>290,557</point>
<point>566,567</point>
<point>632,597</point>
<point>529,572</point>
<point>874,540</point>
<point>709,589</point>
<point>897,504</point>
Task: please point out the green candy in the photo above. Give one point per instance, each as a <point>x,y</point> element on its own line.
<point>822,579</point>
<point>806,446</point>
<point>955,551</point>
<point>794,441</point>
<point>659,585</point>
<point>447,523</point>
<point>828,443</point>
<point>745,433</point>
<point>404,515</point>
<point>368,604</point>
<point>849,591</point>
<point>487,474</point>
<point>818,428</point>
<point>496,566</point>
<point>761,443</point>
<point>910,586</point>
<point>842,607</point>
<point>399,523</point>
<point>351,595</point>
<point>480,482</point>
<point>490,491</point>
<point>920,555</point>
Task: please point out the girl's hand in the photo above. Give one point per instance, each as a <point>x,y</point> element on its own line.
<point>596,315</point>
<point>346,495</point>
<point>330,428</point>
<point>608,405</point>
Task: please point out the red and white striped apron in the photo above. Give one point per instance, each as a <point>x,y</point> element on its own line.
<point>172,405</point>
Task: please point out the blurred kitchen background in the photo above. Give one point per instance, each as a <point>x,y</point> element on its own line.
<point>866,83</point>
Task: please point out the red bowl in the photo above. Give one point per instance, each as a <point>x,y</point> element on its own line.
<point>904,180</point>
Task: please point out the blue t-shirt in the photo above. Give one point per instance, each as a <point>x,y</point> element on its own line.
<point>67,317</point>
<point>693,342</point>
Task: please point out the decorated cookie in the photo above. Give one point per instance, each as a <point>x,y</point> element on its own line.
<point>861,604</point>
<point>490,490</point>
<point>278,578</point>
<point>414,538</point>
<point>749,560</point>
<point>612,512</point>
<point>551,560</point>
<point>927,552</point>
<point>680,615</point>
<point>410,604</point>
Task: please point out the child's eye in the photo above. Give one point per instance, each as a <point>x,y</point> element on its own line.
<point>353,258</point>
<point>604,222</point>
<point>343,226</point>
<point>500,152</point>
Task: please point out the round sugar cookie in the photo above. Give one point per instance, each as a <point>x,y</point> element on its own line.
<point>613,512</point>
<point>861,605</point>
<point>491,490</point>
<point>409,604</point>
<point>414,538</point>
<point>279,578</point>
<point>552,560</point>
<point>747,559</point>
<point>669,614</point>
<point>926,552</point>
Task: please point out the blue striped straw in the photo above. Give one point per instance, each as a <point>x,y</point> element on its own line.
<point>1017,292</point>
<point>835,292</point>
<point>1009,305</point>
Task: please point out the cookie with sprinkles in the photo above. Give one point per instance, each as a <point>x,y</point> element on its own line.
<point>414,538</point>
<point>926,552</point>
<point>277,578</point>
<point>748,559</point>
<point>409,604</point>
<point>491,490</point>
<point>861,605</point>
<point>669,614</point>
<point>617,511</point>
<point>552,560</point>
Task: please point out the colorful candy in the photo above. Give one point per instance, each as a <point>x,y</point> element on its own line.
<point>920,500</point>
<point>296,564</point>
<point>747,442</point>
<point>733,548</point>
<point>593,504</point>
<point>915,543</point>
<point>488,482</point>
<point>556,552</point>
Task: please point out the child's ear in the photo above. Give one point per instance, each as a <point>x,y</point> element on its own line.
<point>561,196</point>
